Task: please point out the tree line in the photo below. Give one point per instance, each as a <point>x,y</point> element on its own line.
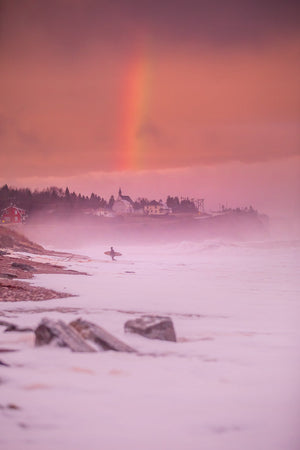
<point>49,198</point>
<point>58,198</point>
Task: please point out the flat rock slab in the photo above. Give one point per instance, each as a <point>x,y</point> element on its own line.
<point>100,336</point>
<point>152,327</point>
<point>22,266</point>
<point>63,335</point>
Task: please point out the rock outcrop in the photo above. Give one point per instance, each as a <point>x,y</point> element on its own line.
<point>99,336</point>
<point>152,327</point>
<point>61,334</point>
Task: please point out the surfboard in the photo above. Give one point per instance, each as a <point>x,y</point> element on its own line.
<point>115,253</point>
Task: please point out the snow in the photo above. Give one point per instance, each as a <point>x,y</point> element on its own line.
<point>231,381</point>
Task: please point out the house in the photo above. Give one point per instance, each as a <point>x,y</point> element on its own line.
<point>157,209</point>
<point>12,214</point>
<point>123,205</point>
<point>103,212</point>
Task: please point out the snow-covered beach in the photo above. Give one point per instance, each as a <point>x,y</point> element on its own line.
<point>230,382</point>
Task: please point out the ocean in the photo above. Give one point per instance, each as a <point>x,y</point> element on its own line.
<point>230,382</point>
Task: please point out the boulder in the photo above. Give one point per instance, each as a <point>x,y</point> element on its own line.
<point>62,334</point>
<point>152,327</point>
<point>100,336</point>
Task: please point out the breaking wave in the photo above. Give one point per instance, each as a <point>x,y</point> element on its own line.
<point>215,245</point>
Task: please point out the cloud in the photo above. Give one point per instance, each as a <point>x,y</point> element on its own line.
<point>271,187</point>
<point>71,26</point>
<point>224,84</point>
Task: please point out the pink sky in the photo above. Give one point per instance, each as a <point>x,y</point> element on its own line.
<point>176,98</point>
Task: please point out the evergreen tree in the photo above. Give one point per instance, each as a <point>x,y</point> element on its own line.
<point>111,202</point>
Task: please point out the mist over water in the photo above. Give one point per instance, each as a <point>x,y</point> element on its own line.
<point>230,260</point>
<point>78,231</point>
<point>230,382</point>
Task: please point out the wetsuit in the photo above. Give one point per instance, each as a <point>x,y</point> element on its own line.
<point>112,253</point>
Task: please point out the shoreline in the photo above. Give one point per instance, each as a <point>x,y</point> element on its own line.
<point>14,269</point>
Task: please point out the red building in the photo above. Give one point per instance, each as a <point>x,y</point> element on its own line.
<point>12,214</point>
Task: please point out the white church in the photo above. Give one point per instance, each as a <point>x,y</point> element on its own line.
<point>123,205</point>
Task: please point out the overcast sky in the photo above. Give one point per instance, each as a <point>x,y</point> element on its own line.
<point>119,87</point>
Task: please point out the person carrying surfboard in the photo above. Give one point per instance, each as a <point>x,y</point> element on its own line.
<point>112,253</point>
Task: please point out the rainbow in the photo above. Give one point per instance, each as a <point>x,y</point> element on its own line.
<point>136,108</point>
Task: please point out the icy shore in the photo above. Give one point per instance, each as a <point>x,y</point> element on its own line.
<point>230,382</point>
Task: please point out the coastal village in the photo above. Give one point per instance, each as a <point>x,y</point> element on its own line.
<point>17,206</point>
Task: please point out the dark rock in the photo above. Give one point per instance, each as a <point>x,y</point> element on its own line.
<point>13,327</point>
<point>152,327</point>
<point>101,337</point>
<point>17,328</point>
<point>21,266</point>
<point>13,406</point>
<point>9,276</point>
<point>2,363</point>
<point>43,335</point>
<point>7,350</point>
<point>4,323</point>
<point>62,334</point>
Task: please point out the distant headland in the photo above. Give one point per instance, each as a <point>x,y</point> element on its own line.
<point>54,201</point>
<point>122,218</point>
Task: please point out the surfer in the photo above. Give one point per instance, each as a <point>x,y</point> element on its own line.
<point>112,253</point>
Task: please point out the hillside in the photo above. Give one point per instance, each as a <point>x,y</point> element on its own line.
<point>12,240</point>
